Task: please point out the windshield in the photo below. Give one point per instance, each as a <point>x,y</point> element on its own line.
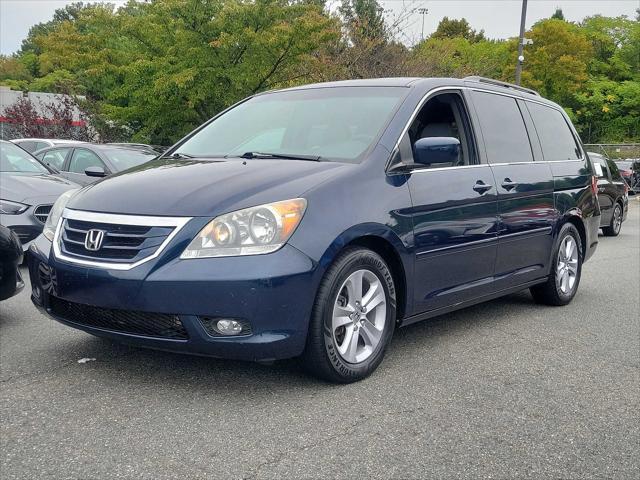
<point>122,159</point>
<point>337,124</point>
<point>14,159</point>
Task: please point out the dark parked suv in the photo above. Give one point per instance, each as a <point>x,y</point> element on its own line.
<point>613,194</point>
<point>313,221</point>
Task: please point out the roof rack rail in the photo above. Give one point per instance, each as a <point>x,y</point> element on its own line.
<point>499,83</point>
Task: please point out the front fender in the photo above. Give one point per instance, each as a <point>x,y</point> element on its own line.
<point>370,231</point>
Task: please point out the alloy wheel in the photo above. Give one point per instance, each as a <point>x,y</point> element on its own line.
<point>567,268</point>
<point>359,316</point>
<point>617,219</point>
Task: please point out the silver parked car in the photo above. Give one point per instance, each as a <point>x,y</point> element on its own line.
<point>85,163</point>
<point>34,144</point>
<point>28,189</point>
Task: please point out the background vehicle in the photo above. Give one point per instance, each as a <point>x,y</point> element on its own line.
<point>630,172</point>
<point>157,149</point>
<point>612,195</point>
<point>312,221</point>
<point>27,192</point>
<point>10,259</point>
<point>34,144</point>
<point>87,162</point>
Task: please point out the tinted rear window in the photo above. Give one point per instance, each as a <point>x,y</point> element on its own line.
<point>613,168</point>
<point>554,133</point>
<point>505,136</point>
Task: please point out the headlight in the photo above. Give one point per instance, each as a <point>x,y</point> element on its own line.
<point>251,231</point>
<point>56,212</point>
<point>12,208</point>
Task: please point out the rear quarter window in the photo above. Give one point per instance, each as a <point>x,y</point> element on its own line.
<point>613,168</point>
<point>503,129</point>
<point>556,139</point>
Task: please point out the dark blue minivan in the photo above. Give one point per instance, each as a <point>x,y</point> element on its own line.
<point>313,221</point>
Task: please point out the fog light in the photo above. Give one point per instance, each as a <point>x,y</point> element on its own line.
<point>225,327</point>
<point>229,327</point>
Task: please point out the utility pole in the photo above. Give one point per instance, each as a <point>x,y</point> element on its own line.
<point>523,18</point>
<point>423,12</point>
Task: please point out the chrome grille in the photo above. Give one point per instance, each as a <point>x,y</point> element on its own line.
<point>115,241</point>
<point>129,243</point>
<point>41,212</point>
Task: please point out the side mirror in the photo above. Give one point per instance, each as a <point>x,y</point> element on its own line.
<point>95,172</point>
<point>429,150</point>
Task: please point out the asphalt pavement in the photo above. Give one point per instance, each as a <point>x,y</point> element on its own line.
<point>507,389</point>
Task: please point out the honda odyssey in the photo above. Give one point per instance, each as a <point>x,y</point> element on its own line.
<point>311,222</point>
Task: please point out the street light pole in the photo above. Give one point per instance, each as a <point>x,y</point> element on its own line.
<point>423,12</point>
<point>523,18</point>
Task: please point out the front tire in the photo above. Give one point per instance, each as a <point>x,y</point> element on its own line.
<point>562,284</point>
<point>613,230</point>
<point>353,318</point>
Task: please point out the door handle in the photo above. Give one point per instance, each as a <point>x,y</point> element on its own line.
<point>482,187</point>
<point>507,184</point>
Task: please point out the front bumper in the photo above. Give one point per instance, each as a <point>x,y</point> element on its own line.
<point>273,292</point>
<point>25,225</point>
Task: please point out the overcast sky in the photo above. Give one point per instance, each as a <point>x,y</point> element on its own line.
<point>498,18</point>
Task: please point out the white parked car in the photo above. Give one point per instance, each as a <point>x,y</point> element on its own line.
<point>33,144</point>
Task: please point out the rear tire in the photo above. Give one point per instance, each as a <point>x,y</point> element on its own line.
<point>353,318</point>
<point>613,230</point>
<point>566,270</point>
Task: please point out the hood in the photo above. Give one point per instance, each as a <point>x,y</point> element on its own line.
<point>194,188</point>
<point>33,189</point>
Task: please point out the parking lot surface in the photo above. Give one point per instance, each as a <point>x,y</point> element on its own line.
<point>507,389</point>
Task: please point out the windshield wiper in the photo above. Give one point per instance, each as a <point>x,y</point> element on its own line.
<point>286,156</point>
<point>178,155</point>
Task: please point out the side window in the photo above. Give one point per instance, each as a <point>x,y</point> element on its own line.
<point>603,171</point>
<point>83,159</point>
<point>503,128</point>
<point>40,146</point>
<point>558,143</point>
<point>441,116</point>
<point>29,146</point>
<point>54,158</point>
<point>615,172</point>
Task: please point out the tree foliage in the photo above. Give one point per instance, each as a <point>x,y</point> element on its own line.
<point>452,28</point>
<point>153,70</point>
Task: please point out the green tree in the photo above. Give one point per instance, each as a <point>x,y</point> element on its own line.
<point>159,69</point>
<point>556,63</point>
<point>616,46</point>
<point>13,72</point>
<point>452,28</point>
<point>153,70</point>
<point>367,48</point>
<point>364,21</point>
<point>558,15</point>
<point>458,57</point>
<point>608,111</point>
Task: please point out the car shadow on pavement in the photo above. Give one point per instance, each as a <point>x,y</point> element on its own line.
<point>115,362</point>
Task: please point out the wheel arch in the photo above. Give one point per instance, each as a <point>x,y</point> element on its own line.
<point>575,218</point>
<point>386,243</point>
